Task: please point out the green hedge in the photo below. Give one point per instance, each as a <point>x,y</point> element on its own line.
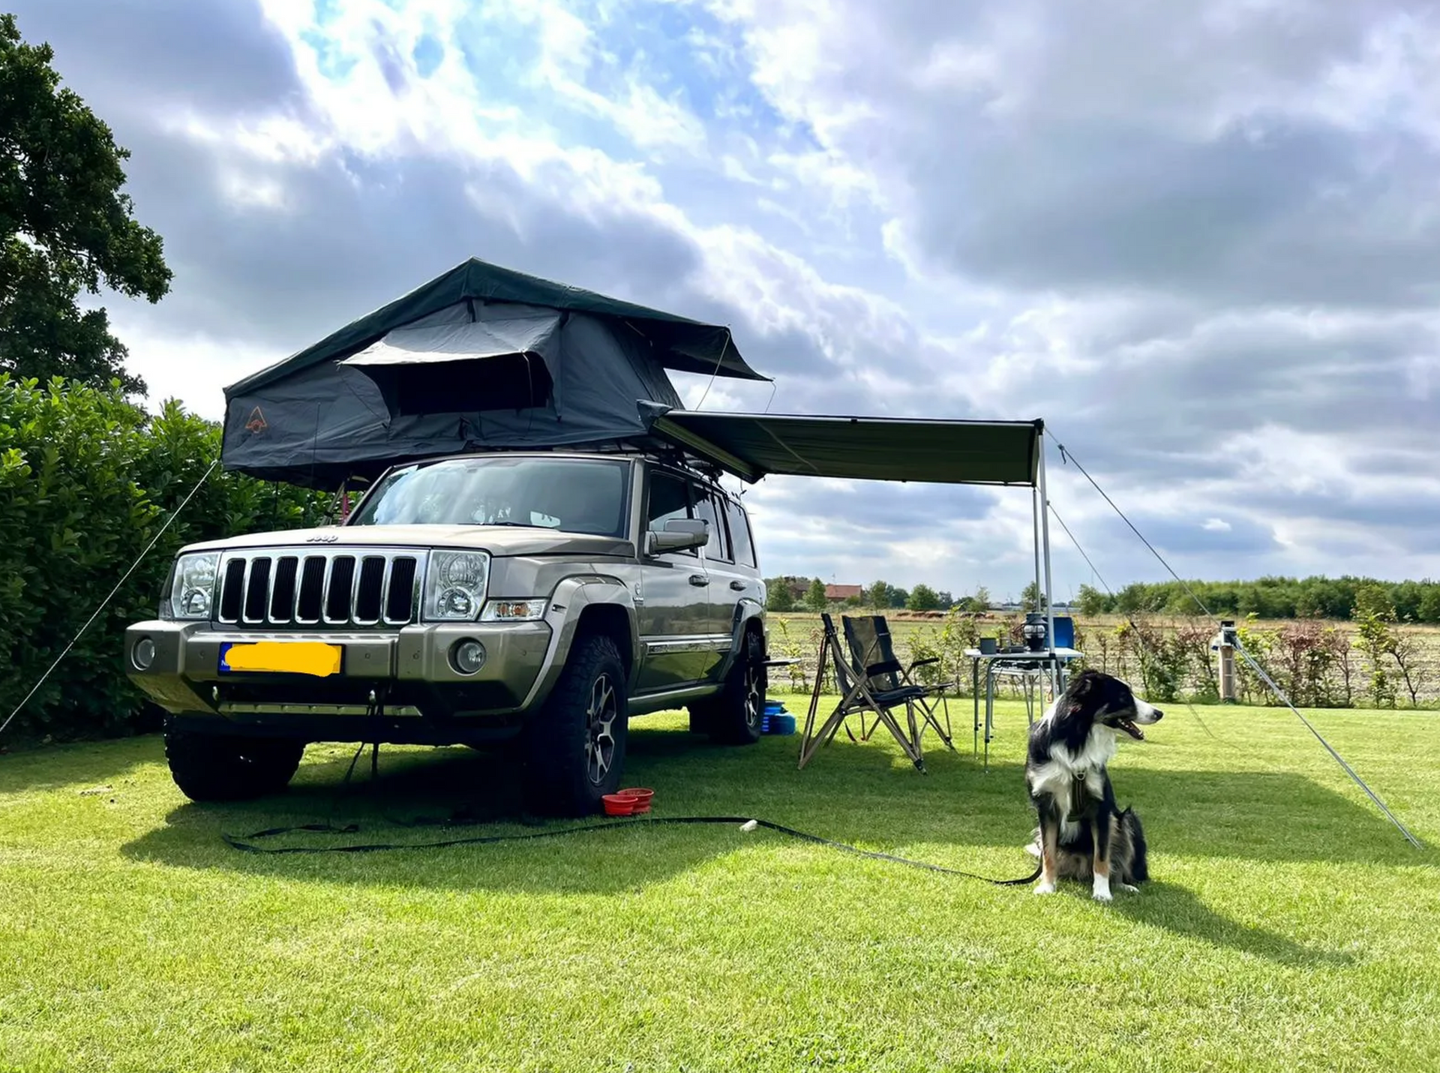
<point>86,481</point>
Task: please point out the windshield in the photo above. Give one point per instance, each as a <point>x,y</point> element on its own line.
<point>576,495</point>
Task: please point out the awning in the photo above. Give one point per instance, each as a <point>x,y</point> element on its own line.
<point>753,446</point>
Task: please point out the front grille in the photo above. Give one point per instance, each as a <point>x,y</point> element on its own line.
<point>312,588</point>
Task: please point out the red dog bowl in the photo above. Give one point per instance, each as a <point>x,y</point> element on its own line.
<point>642,798</point>
<point>619,804</point>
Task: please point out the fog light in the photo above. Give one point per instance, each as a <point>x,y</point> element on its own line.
<point>467,657</point>
<point>144,653</point>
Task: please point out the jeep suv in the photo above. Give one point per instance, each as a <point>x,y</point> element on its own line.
<point>535,599</point>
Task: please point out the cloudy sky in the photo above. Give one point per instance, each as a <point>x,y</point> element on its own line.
<point>1201,240</point>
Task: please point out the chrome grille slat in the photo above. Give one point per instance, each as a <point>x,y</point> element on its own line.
<point>371,586</point>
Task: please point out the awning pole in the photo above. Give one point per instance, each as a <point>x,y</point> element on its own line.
<point>1035,518</point>
<point>1045,543</point>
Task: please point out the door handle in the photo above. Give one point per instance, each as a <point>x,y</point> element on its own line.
<point>738,586</point>
<point>699,579</point>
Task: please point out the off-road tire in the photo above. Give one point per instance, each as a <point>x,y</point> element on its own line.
<point>560,743</point>
<point>226,767</point>
<point>734,716</point>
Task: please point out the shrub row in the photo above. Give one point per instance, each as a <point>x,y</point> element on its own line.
<point>1372,663</point>
<point>87,480</point>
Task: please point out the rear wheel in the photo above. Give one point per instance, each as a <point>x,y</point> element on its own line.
<point>734,716</point>
<point>575,745</point>
<point>228,767</point>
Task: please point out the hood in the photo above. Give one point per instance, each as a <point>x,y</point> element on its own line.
<point>497,540</point>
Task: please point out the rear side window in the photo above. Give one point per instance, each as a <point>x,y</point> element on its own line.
<point>740,534</point>
<point>706,509</point>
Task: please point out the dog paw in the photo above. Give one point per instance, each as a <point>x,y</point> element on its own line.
<point>1044,888</point>
<point>1128,889</point>
<point>1101,896</point>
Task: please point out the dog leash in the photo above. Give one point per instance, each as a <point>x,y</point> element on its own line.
<point>245,843</point>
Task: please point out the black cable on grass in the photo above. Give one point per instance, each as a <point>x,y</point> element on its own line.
<point>245,843</point>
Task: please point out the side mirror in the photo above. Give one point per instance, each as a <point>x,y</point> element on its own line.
<point>679,535</point>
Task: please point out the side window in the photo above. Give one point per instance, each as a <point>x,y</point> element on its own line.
<point>668,502</point>
<point>705,510</point>
<point>740,534</point>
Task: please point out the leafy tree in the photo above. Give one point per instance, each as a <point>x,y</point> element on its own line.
<point>1090,601</point>
<point>1030,597</point>
<point>878,595</point>
<point>815,595</point>
<point>1373,615</point>
<point>945,599</point>
<point>778,596</point>
<point>923,598</point>
<point>64,226</point>
<point>979,600</point>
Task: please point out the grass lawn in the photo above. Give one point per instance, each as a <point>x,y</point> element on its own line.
<point>1289,926</point>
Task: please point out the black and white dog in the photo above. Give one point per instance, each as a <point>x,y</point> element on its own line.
<point>1083,834</point>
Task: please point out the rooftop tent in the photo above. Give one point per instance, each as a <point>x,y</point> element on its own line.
<point>480,357</point>
<point>753,446</point>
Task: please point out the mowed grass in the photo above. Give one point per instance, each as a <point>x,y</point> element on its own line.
<point>1289,926</point>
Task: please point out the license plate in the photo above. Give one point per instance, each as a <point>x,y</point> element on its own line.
<point>281,657</point>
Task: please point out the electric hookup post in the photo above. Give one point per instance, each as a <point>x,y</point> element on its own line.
<point>1224,643</point>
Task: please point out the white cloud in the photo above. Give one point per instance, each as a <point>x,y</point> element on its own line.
<point>1201,241</point>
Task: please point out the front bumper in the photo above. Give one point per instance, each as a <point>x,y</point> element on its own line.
<point>408,670</point>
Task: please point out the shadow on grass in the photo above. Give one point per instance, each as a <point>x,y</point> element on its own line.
<point>38,768</point>
<point>859,794</point>
<point>1177,910</point>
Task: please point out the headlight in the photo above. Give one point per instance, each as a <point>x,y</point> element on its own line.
<point>513,611</point>
<point>455,585</point>
<point>192,592</point>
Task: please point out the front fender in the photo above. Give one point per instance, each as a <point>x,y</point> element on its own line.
<point>567,606</point>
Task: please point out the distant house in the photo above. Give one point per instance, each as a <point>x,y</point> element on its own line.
<point>798,586</point>
<point>841,593</point>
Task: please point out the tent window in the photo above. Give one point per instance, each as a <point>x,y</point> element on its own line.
<point>508,382</point>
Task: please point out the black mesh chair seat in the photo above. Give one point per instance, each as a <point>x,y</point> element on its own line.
<point>871,681</point>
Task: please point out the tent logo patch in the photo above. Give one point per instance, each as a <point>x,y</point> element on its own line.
<point>256,424</point>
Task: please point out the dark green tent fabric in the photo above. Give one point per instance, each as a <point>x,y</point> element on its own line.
<point>481,358</point>
<point>678,343</point>
<point>753,446</point>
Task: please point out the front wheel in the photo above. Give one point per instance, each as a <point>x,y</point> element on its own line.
<point>230,767</point>
<point>575,745</point>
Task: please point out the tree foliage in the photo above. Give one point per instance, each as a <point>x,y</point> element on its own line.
<point>815,596</point>
<point>65,226</point>
<point>923,598</point>
<point>1270,598</point>
<point>778,596</point>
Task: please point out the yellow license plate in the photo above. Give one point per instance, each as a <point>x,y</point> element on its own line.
<point>281,657</point>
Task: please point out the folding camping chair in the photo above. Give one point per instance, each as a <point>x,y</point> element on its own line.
<point>873,650</point>
<point>857,696</point>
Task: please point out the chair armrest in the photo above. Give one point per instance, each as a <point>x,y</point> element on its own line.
<point>925,662</point>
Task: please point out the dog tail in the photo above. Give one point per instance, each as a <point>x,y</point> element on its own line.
<point>1139,868</point>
